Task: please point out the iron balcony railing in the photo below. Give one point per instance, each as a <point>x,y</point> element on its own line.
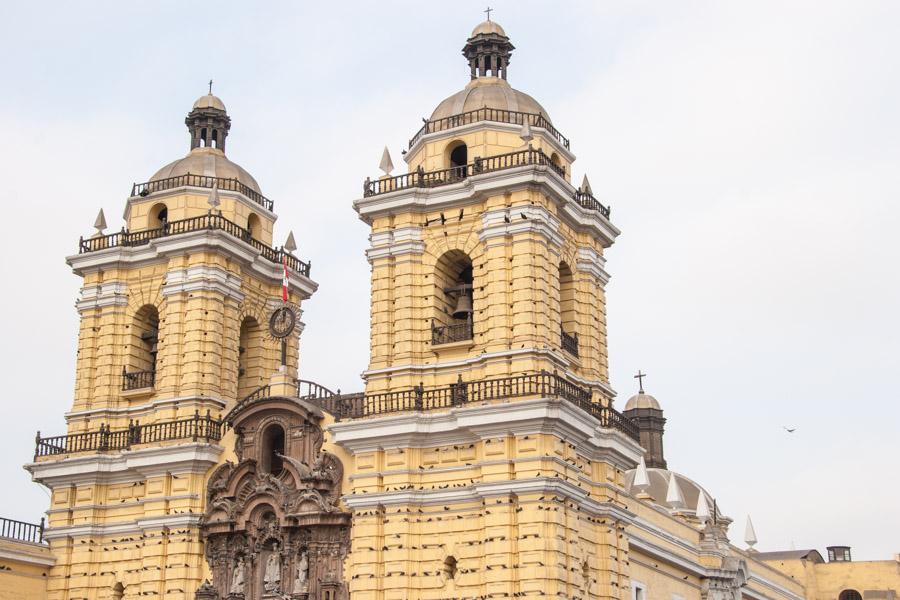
<point>202,181</point>
<point>490,114</point>
<point>430,179</point>
<point>447,334</point>
<point>204,222</point>
<point>586,200</point>
<point>569,342</point>
<point>22,531</point>
<point>359,405</point>
<point>194,428</point>
<point>137,380</point>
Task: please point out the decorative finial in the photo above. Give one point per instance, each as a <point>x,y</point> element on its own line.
<point>586,186</point>
<point>100,222</point>
<point>387,165</point>
<point>750,534</point>
<point>489,10</point>
<point>526,134</point>
<point>641,478</point>
<point>290,244</point>
<point>210,87</point>
<point>702,511</point>
<point>640,377</point>
<point>674,497</point>
<point>213,199</point>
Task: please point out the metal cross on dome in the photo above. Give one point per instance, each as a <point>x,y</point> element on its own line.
<point>210,87</point>
<point>489,10</point>
<point>640,377</point>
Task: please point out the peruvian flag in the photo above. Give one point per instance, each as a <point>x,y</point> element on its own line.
<point>284,281</point>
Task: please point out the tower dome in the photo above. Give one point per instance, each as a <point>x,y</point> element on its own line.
<point>209,124</point>
<point>488,51</point>
<point>642,400</point>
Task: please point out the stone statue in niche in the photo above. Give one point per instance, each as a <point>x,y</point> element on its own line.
<point>272,577</point>
<point>301,582</point>
<point>237,579</point>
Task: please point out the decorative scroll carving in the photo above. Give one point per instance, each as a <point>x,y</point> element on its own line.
<point>273,527</point>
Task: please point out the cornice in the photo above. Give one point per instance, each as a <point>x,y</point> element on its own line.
<point>125,466</point>
<point>146,408</point>
<point>501,223</point>
<point>462,193</point>
<point>99,295</point>
<point>209,240</point>
<point>203,278</point>
<point>471,423</point>
<point>40,556</point>
<point>138,526</point>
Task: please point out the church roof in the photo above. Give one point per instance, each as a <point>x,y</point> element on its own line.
<point>488,27</point>
<point>210,162</point>
<point>811,555</point>
<point>642,400</point>
<point>684,495</point>
<point>488,92</point>
<point>209,101</point>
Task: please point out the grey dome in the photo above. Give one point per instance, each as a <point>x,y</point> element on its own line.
<point>659,486</point>
<point>642,400</point>
<point>210,162</point>
<point>488,92</point>
<point>209,101</point>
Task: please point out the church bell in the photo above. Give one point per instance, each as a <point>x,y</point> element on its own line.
<point>463,308</point>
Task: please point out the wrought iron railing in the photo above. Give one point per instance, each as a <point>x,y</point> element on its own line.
<point>569,342</point>
<point>194,428</point>
<point>204,222</point>
<point>490,114</point>
<point>430,179</point>
<point>446,334</point>
<point>22,531</point>
<point>189,180</point>
<point>137,380</point>
<point>586,200</point>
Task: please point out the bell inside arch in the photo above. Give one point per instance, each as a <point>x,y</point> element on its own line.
<point>463,308</point>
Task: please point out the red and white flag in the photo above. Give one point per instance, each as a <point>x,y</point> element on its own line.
<point>284,281</point>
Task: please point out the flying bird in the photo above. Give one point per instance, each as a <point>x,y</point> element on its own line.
<point>790,430</point>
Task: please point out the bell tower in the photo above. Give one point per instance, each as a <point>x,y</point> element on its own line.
<point>174,328</point>
<point>488,413</point>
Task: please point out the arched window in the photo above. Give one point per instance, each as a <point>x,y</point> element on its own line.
<point>215,138</point>
<point>250,357</point>
<point>457,159</point>
<point>159,216</point>
<point>253,226</point>
<point>203,137</point>
<point>140,367</point>
<point>450,568</point>
<point>453,296</point>
<point>272,446</point>
<point>850,595</point>
<point>567,314</point>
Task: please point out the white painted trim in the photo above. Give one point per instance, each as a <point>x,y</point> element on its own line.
<point>109,293</point>
<point>48,560</point>
<point>138,526</point>
<point>591,261</point>
<point>516,417</point>
<point>126,504</point>
<point>521,219</point>
<point>462,193</point>
<point>207,240</point>
<point>647,547</point>
<point>142,409</point>
<point>481,125</point>
<point>203,278</point>
<point>781,590</point>
<point>127,465</point>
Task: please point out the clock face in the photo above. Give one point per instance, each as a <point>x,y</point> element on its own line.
<point>282,322</point>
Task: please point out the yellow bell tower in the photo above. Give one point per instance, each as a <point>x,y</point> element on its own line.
<point>173,329</point>
<point>487,457</point>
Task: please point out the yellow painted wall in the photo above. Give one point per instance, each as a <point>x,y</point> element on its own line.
<point>21,577</point>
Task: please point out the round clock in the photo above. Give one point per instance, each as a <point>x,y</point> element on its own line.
<point>282,322</point>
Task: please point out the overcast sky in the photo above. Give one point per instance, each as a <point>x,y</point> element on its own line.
<point>751,154</point>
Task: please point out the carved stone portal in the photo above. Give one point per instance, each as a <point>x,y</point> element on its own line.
<point>273,527</point>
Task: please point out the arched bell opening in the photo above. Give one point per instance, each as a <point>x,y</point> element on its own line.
<point>254,226</point>
<point>214,139</point>
<point>567,314</point>
<point>456,159</point>
<point>453,294</point>
<point>272,446</point>
<point>139,370</point>
<point>158,216</point>
<point>250,357</point>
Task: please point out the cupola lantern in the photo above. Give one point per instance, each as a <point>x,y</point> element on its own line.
<point>208,123</point>
<point>488,50</point>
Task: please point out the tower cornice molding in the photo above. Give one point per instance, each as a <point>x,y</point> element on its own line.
<point>255,207</point>
<point>471,189</point>
<point>208,240</point>
<point>524,417</point>
<point>139,410</point>
<point>138,526</point>
<point>203,278</point>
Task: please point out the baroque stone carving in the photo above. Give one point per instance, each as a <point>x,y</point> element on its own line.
<point>273,527</point>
